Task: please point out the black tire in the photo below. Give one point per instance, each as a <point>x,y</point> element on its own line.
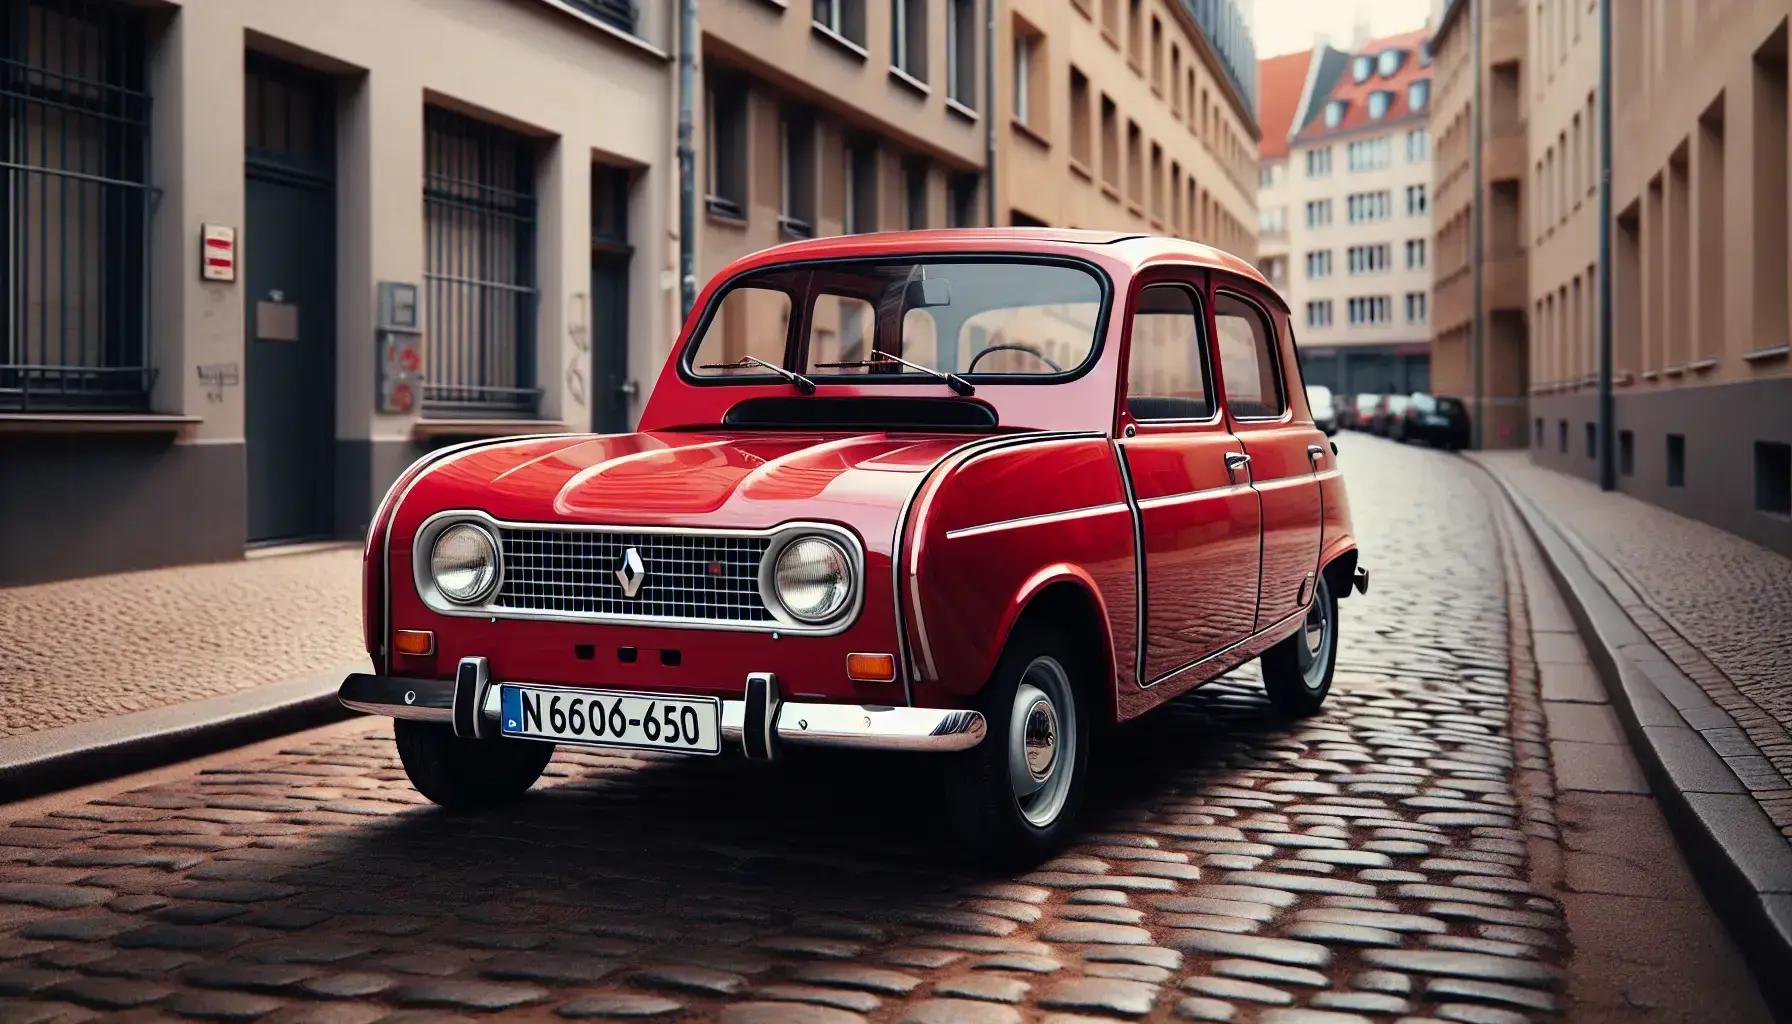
<point>465,774</point>
<point>986,813</point>
<point>1297,676</point>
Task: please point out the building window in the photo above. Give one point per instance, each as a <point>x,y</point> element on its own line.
<point>844,18</point>
<point>1110,143</point>
<point>1415,254</point>
<point>1368,154</point>
<point>1416,201</point>
<point>1627,452</point>
<point>479,266</point>
<point>1676,458</point>
<point>914,175</point>
<point>908,37</point>
<point>1368,259</point>
<point>1418,145</point>
<point>1271,220</point>
<point>1361,68</point>
<point>962,194</point>
<point>1030,68</point>
<point>1082,132</point>
<point>1418,95</point>
<point>1592,441</point>
<point>1135,164</point>
<point>1369,310</point>
<point>76,203</point>
<point>1319,162</point>
<point>1319,313</point>
<point>1773,478</point>
<point>1379,102</point>
<point>1362,207</point>
<point>1334,112</point>
<point>1319,212</point>
<point>1562,436</point>
<point>617,13</point>
<point>860,214</point>
<point>1537,432</point>
<point>1417,307</point>
<point>726,152</point>
<point>961,52</point>
<point>1319,263</point>
<point>796,173</point>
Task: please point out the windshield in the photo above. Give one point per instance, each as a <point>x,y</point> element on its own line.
<point>845,320</point>
<point>1397,403</point>
<point>1424,403</point>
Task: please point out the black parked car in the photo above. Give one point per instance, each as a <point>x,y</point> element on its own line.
<point>1442,422</point>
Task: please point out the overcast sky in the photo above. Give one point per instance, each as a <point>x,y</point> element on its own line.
<point>1283,26</point>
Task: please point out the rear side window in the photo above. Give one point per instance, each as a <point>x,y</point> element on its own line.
<point>1247,359</point>
<point>1166,376</point>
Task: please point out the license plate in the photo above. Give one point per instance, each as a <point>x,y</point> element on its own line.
<point>608,718</point>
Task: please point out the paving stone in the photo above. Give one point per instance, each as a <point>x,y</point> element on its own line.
<point>248,977</point>
<point>990,987</point>
<point>110,993</point>
<point>549,968</point>
<point>1094,931</point>
<point>785,1013</point>
<point>53,897</point>
<point>223,1005</point>
<point>958,1011</point>
<point>1462,965</point>
<point>618,1006</point>
<point>464,994</point>
<point>868,979</point>
<point>1362,1002</point>
<point>348,985</point>
<point>1449,989</point>
<point>1102,995</point>
<point>1237,989</point>
<point>1258,947</point>
<point>1274,974</point>
<point>1204,1009</point>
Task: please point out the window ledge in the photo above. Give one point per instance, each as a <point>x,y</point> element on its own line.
<point>957,107</point>
<point>1022,128</point>
<point>68,423</point>
<point>1701,365</point>
<point>839,40</point>
<point>1673,371</point>
<point>620,35</point>
<point>1081,168</point>
<point>723,211</point>
<point>1110,190</point>
<point>911,81</point>
<point>428,430</point>
<point>1647,375</point>
<point>1762,354</point>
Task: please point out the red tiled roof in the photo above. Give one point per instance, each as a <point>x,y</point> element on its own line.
<point>1356,115</point>
<point>1279,82</point>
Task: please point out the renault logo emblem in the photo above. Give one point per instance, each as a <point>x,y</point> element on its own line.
<point>631,573</point>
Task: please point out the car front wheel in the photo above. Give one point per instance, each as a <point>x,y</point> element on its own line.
<point>464,773</point>
<point>1014,798</point>
<point>1298,671</point>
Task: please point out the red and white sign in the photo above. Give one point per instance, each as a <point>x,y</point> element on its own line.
<point>217,252</point>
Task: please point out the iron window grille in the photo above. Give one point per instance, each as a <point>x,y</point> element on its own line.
<point>479,276</point>
<point>621,14</point>
<point>76,201</point>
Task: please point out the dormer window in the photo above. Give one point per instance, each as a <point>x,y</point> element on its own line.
<point>1379,102</point>
<point>1418,95</point>
<point>1334,112</point>
<point>1425,54</point>
<point>1361,68</point>
<point>1389,61</point>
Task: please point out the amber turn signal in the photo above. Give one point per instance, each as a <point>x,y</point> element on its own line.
<point>414,641</point>
<point>871,668</point>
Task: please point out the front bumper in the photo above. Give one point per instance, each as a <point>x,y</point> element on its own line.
<point>761,721</point>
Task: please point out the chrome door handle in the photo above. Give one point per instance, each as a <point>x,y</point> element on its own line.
<point>1314,452</point>
<point>1236,461</point>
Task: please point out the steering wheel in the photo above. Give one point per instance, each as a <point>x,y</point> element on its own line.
<point>1013,347</point>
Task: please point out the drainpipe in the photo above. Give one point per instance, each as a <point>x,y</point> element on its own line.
<point>989,120</point>
<point>1608,470</point>
<point>687,158</point>
<point>1477,249</point>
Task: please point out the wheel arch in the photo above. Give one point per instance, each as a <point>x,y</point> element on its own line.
<point>1066,596</point>
<point>1339,570</point>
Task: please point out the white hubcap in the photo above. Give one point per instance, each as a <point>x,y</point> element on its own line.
<point>1041,747</point>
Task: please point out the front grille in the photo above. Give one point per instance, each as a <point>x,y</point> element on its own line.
<point>707,577</point>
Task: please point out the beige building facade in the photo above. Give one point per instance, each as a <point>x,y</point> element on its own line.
<point>200,356</point>
<point>1127,115</point>
<point>1702,371</point>
<point>1480,352</point>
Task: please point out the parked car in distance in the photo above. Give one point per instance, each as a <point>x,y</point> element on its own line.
<point>1325,414</point>
<point>972,494</point>
<point>1386,419</point>
<point>1362,411</point>
<point>1438,421</point>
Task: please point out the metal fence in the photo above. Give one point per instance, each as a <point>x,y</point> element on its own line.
<point>479,276</point>
<point>75,198</point>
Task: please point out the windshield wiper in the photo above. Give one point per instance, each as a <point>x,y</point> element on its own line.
<point>797,380</point>
<point>951,380</point>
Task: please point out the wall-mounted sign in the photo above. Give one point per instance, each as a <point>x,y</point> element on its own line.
<point>217,252</point>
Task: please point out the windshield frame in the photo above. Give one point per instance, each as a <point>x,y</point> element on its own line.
<point>1104,283</point>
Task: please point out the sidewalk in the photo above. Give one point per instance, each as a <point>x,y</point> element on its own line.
<point>138,668</point>
<point>1715,604</point>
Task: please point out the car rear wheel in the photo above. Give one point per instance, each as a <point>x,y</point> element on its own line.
<point>1298,671</point>
<point>1015,797</point>
<point>464,773</point>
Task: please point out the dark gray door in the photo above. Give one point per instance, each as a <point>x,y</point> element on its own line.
<point>612,393</point>
<point>288,252</point>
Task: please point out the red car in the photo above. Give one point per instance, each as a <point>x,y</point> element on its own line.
<point>975,493</point>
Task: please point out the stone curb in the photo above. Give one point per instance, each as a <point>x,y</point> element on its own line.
<point>1743,863</point>
<point>54,759</point>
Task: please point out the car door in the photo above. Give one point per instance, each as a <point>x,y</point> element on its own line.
<point>1261,404</point>
<point>1197,516</point>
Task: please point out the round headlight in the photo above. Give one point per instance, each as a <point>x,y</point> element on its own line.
<point>464,563</point>
<point>813,576</point>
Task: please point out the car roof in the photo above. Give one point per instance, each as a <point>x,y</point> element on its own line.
<point>1136,249</point>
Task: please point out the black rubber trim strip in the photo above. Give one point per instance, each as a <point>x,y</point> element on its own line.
<point>365,688</point>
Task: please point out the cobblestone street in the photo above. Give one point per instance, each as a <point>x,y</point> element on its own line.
<point>1372,863</point>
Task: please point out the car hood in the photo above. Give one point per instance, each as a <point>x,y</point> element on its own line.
<point>747,479</point>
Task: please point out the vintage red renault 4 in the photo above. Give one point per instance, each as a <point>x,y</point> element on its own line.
<point>977,493</point>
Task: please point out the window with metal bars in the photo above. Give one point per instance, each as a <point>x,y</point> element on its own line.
<point>479,268</point>
<point>75,198</point>
<point>620,13</point>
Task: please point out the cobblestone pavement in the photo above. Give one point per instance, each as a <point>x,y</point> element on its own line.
<point>1714,603</point>
<point>108,645</point>
<point>1366,864</point>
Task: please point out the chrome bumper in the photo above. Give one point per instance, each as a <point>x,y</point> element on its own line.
<point>794,723</point>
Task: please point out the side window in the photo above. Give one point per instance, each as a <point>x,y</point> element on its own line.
<point>1166,374</point>
<point>751,321</point>
<point>1247,358</point>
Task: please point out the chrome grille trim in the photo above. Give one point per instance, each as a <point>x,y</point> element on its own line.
<point>566,573</point>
